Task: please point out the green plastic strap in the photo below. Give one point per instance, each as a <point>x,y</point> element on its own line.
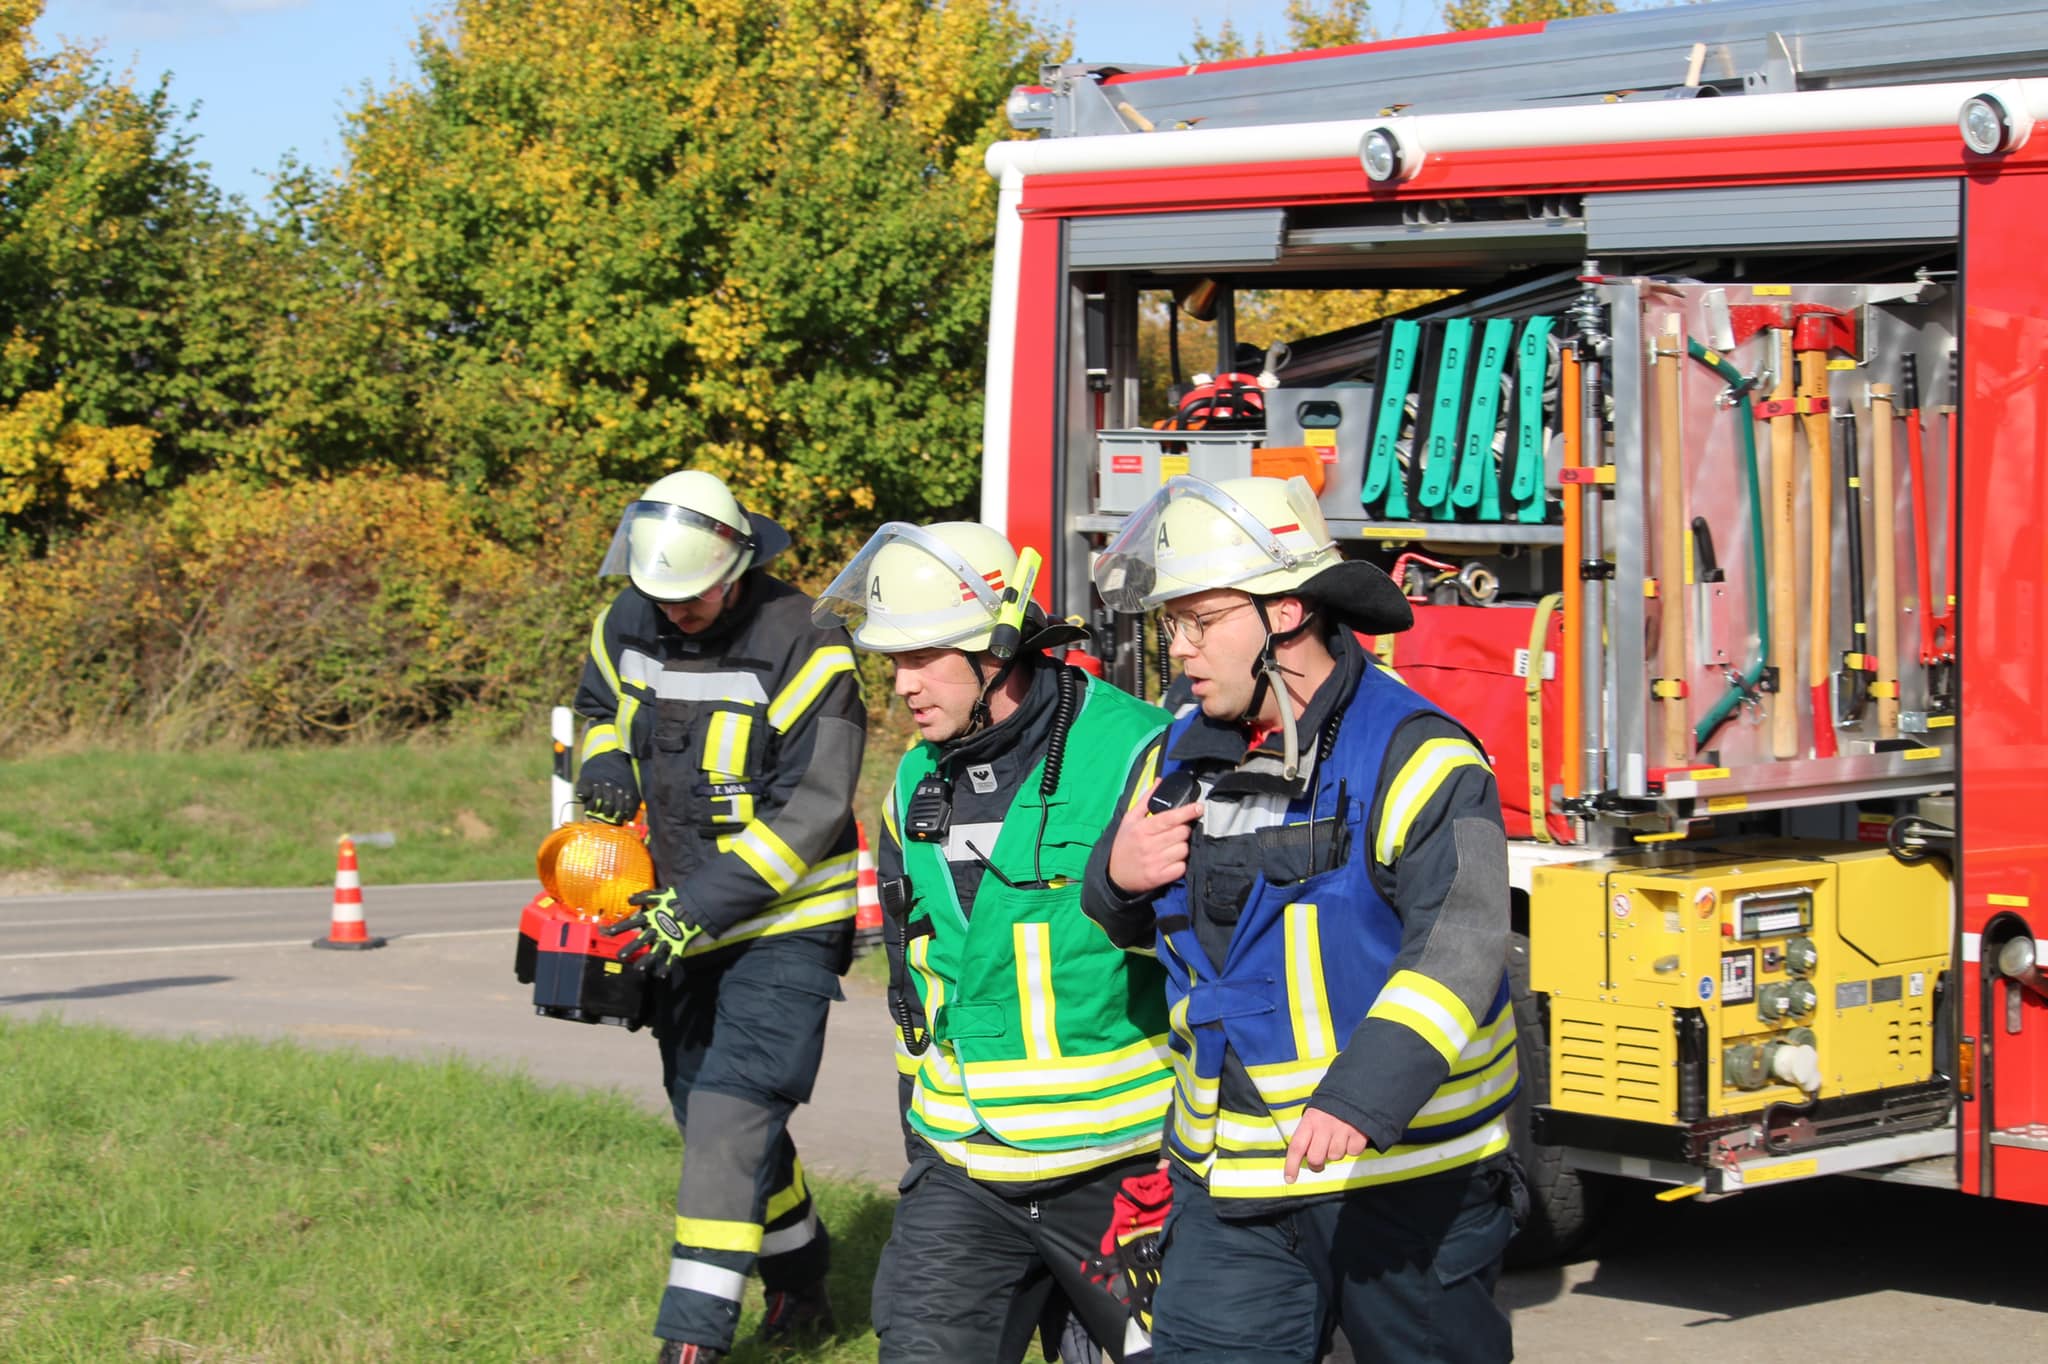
<point>1446,405</point>
<point>1382,468</point>
<point>1532,367</point>
<point>1478,481</point>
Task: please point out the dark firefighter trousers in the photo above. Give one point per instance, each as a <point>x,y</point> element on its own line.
<point>741,1037</point>
<point>968,1275</point>
<point>1407,1269</point>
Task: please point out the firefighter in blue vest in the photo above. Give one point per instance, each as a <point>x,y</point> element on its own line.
<point>713,697</point>
<point>1325,883</point>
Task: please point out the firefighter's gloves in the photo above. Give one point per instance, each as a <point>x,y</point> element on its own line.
<point>607,802</point>
<point>1151,845</point>
<point>1128,1266</point>
<point>664,933</point>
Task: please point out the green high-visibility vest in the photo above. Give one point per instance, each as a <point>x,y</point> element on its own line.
<point>1043,1033</point>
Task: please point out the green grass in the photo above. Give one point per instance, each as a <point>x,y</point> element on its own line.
<point>461,810</point>
<point>244,1201</point>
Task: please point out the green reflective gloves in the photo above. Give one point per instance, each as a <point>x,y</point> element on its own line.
<point>663,932</point>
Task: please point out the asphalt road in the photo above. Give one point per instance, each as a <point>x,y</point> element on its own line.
<point>1832,1270</point>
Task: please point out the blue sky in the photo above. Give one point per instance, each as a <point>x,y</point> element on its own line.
<point>276,76</point>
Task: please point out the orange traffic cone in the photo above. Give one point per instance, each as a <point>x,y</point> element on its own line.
<point>867,914</point>
<point>347,931</point>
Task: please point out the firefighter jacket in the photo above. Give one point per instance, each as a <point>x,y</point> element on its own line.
<point>1035,1047</point>
<point>1339,941</point>
<point>745,742</point>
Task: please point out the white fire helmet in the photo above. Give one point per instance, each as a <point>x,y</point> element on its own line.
<point>922,587</point>
<point>1263,536</point>
<point>686,535</point>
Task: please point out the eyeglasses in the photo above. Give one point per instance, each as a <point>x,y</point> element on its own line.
<point>1192,628</point>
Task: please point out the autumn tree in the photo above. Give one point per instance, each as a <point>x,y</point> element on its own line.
<point>111,372</point>
<point>1461,15</point>
<point>598,240</point>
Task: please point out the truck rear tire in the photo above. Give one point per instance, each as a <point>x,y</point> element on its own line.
<point>1565,1205</point>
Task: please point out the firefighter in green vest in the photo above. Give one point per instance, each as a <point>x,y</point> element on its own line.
<point>1033,1053</point>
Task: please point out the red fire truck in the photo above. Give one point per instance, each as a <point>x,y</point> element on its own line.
<point>1716,464</point>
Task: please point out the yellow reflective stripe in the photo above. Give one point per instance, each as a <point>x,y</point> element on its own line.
<point>907,1062</point>
<point>1410,790</point>
<point>1265,1176</point>
<point>704,1233</point>
<point>941,1113</point>
<point>790,1197</point>
<point>1033,946</point>
<point>1145,776</point>
<point>761,848</point>
<point>599,740</point>
<point>1074,1118</point>
<point>1487,1046</point>
<point>1466,1095</point>
<point>1427,1009</point>
<point>629,707</point>
<point>725,743</point>
<point>782,918</point>
<point>842,868</point>
<point>1065,1076</point>
<point>1286,1082</point>
<point>997,1164</point>
<point>1308,1000</point>
<point>1196,1092</point>
<point>1195,1131</point>
<point>597,653</point>
<point>1254,1131</point>
<point>889,817</point>
<point>819,669</point>
<point>942,1071</point>
<point>918,954</point>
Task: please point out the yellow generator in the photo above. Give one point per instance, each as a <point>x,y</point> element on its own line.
<point>1720,1006</point>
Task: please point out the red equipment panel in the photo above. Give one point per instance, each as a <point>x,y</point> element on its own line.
<point>2004,576</point>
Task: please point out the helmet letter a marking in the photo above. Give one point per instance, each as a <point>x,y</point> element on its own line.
<point>875,588</point>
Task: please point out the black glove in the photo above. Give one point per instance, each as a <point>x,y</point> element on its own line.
<point>663,932</point>
<point>607,802</point>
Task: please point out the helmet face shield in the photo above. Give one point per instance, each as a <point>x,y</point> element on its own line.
<point>1193,536</point>
<point>673,553</point>
<point>910,589</point>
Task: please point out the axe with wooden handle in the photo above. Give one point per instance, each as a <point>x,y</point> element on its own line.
<point>1784,550</point>
<point>1817,332</point>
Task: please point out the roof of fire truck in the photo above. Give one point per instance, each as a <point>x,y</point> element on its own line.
<point>1815,65</point>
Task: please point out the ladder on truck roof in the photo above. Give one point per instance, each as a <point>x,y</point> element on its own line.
<point>1731,48</point>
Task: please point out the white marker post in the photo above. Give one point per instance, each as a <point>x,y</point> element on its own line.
<point>561,790</point>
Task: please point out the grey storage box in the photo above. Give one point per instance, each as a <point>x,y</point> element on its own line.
<point>1133,464</point>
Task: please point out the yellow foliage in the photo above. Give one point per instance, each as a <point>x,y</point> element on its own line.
<point>1461,15</point>
<point>45,454</point>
